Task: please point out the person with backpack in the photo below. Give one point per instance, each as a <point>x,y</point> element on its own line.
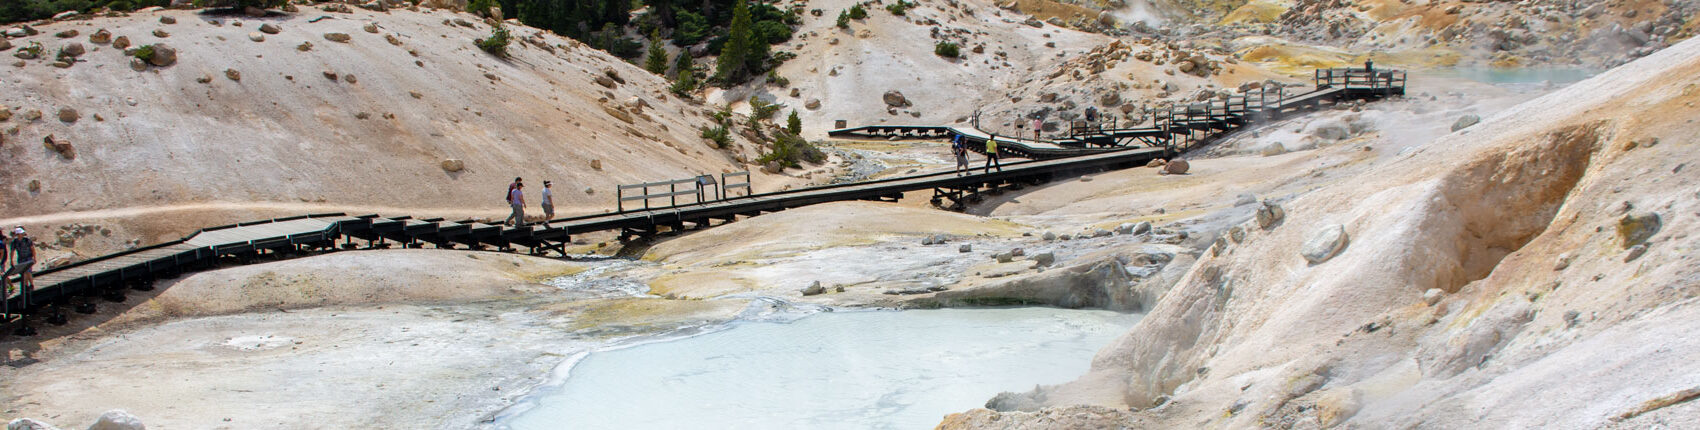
<point>959,147</point>
<point>516,199</point>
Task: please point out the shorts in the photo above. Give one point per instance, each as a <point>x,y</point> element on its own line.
<point>962,159</point>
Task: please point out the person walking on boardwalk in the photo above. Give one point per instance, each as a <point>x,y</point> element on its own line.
<point>992,154</point>
<point>548,203</point>
<point>959,148</point>
<point>516,199</point>
<point>1037,125</point>
<point>23,253</point>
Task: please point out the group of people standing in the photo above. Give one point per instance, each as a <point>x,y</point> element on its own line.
<point>959,147</point>
<point>516,199</point>
<point>21,248</point>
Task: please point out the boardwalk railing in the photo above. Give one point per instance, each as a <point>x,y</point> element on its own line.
<point>695,187</point>
<point>1359,78</point>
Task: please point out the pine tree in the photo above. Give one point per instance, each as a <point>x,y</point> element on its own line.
<point>733,66</point>
<point>656,62</point>
<point>687,80</point>
<point>794,124</point>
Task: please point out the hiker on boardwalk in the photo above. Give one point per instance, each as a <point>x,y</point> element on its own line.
<point>1037,125</point>
<point>1091,115</point>
<point>992,154</point>
<point>959,148</point>
<point>548,203</point>
<point>516,199</point>
<point>23,253</point>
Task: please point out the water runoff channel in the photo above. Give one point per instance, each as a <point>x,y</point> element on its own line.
<point>794,366</point>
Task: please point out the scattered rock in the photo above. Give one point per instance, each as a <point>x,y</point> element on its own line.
<point>606,82</point>
<point>370,27</point>
<point>118,419</point>
<point>121,42</point>
<point>161,33</point>
<point>32,115</point>
<point>453,165</point>
<point>1237,234</point>
<point>304,46</point>
<point>1156,162</point>
<point>1635,252</point>
<point>814,289</point>
<point>269,28</point>
<point>1634,229</point>
<point>100,37</point>
<point>1017,252</point>
<point>1100,233</point>
<point>416,94</point>
<point>1176,167</point>
<point>1563,262</point>
<point>61,146</point>
<point>69,115</point>
<point>332,75</point>
<point>233,75</point>
<point>5,114</point>
<point>1432,296</point>
<point>65,15</point>
<point>1044,260</point>
<point>1324,244</point>
<point>338,37</point>
<point>1269,215</point>
<point>392,39</point>
<point>895,99</point>
<point>1336,405</point>
<point>1004,257</point>
<point>596,164</point>
<point>812,104</point>
<point>29,424</point>
<point>1465,122</point>
<point>163,55</point>
<point>257,36</point>
<point>167,20</point>
<point>1272,150</point>
<point>1571,318</point>
<point>1245,199</point>
<point>965,248</point>
<point>349,78</point>
<point>34,186</point>
<point>138,65</point>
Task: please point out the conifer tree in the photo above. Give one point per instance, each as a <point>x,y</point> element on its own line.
<point>794,124</point>
<point>656,62</point>
<point>732,66</point>
<point>687,79</point>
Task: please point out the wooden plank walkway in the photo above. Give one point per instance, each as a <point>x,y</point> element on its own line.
<point>108,276</point>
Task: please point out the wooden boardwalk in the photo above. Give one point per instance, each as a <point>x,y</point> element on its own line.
<point>78,285</point>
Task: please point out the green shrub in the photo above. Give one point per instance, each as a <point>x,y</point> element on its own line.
<point>760,110</point>
<point>481,7</point>
<point>900,8</point>
<point>144,52</point>
<point>790,150</point>
<point>793,124</point>
<point>857,12</point>
<point>843,19</point>
<point>722,116</point>
<point>947,50</point>
<point>497,43</point>
<point>692,28</point>
<point>719,135</point>
<point>774,78</point>
<point>685,72</point>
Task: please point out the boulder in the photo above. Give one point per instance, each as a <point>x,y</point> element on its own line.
<point>167,20</point>
<point>65,15</point>
<point>1272,150</point>
<point>29,424</point>
<point>304,46</point>
<point>1044,260</point>
<point>606,82</point>
<point>72,50</point>
<point>69,115</point>
<point>1465,122</point>
<point>233,74</point>
<point>338,37</point>
<point>100,37</point>
<point>253,12</point>
<point>965,248</point>
<point>596,164</point>
<point>32,115</point>
<point>1004,257</point>
<point>370,27</point>
<point>1635,229</point>
<point>1100,233</point>
<point>121,42</point>
<point>117,419</point>
<point>138,65</point>
<point>1324,243</point>
<point>1049,236</point>
<point>1432,296</point>
<point>1269,215</point>
<point>812,104</point>
<point>814,289</point>
<point>1237,234</point>
<point>1177,167</point>
<point>1336,405</point>
<point>5,44</point>
<point>67,34</point>
<point>161,33</point>
<point>895,99</point>
<point>163,55</point>
<point>1156,162</point>
<point>269,28</point>
<point>257,36</point>
<point>453,165</point>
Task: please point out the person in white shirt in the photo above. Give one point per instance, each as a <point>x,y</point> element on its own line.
<point>548,203</point>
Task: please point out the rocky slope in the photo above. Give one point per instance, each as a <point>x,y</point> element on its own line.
<point>317,111</point>
<point>1528,271</point>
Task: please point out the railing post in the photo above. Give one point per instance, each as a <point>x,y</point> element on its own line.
<point>619,199</point>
